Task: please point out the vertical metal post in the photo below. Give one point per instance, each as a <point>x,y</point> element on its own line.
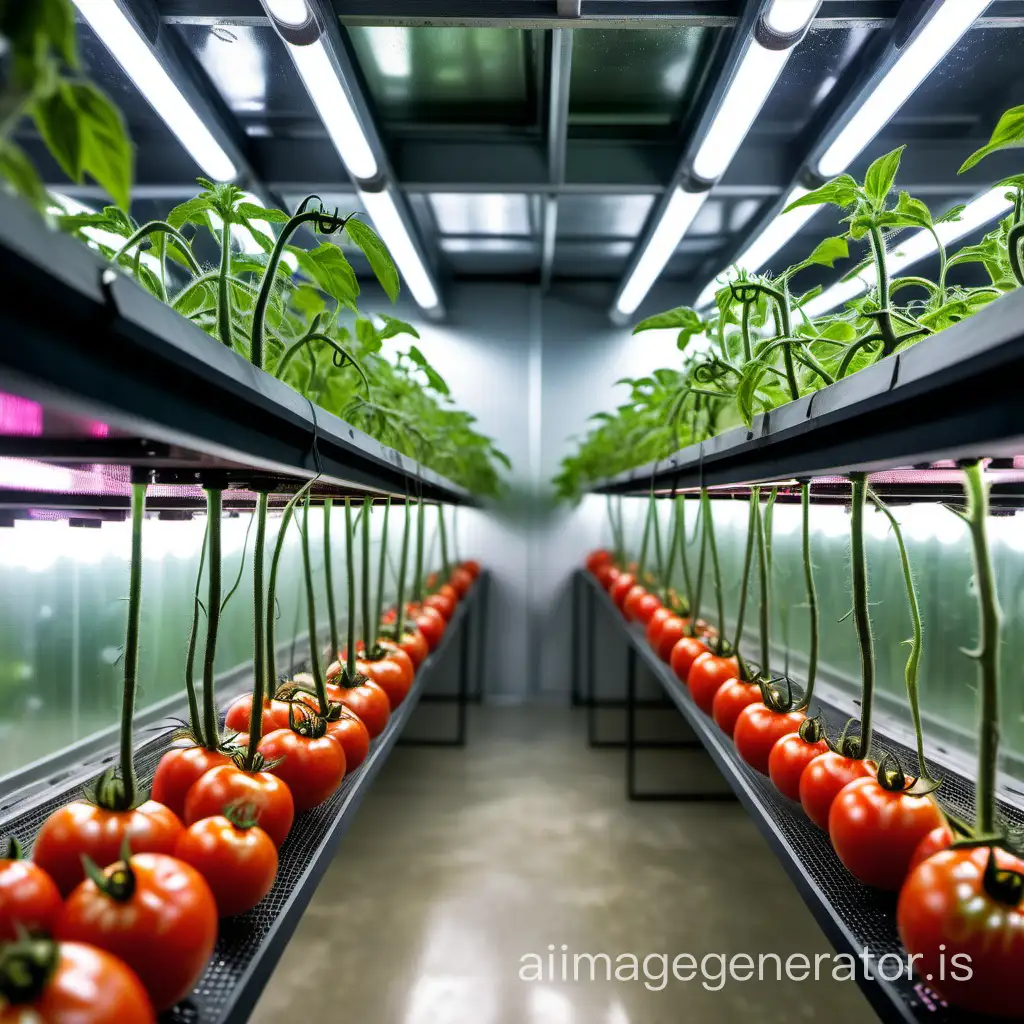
<point>588,664</point>
<point>462,707</point>
<point>483,587</point>
<point>630,722</point>
<point>575,596</point>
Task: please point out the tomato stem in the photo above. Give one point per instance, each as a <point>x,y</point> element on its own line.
<point>659,555</point>
<point>705,504</point>
<point>812,593</point>
<point>224,283</point>
<point>417,584</point>
<point>987,654</point>
<point>916,643</point>
<point>684,557</point>
<point>616,533</point>
<point>214,508</point>
<point>403,564</point>
<point>382,561</point>
<point>365,574</point>
<point>443,530</point>
<point>701,558</point>
<point>748,348</point>
<point>314,646</point>
<point>748,557</point>
<point>642,562</point>
<point>861,612</point>
<point>259,685</point>
<point>194,714</point>
<point>332,611</point>
<point>673,545</point>
<point>764,612</point>
<point>128,786</point>
<point>275,561</point>
<point>350,581</point>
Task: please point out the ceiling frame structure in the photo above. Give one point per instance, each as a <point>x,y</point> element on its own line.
<point>561,162</point>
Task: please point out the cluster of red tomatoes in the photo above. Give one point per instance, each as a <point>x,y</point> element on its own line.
<point>132,898</point>
<point>887,836</point>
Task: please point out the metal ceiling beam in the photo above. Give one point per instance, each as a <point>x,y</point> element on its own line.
<point>291,166</point>
<point>558,136</point>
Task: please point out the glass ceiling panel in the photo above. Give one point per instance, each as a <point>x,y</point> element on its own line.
<point>461,75</point>
<point>635,76</point>
<point>481,213</point>
<point>586,216</point>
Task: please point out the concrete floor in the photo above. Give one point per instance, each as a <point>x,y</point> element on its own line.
<point>462,862</point>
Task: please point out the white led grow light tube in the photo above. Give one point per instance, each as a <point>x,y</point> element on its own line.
<point>120,36</point>
<point>979,212</point>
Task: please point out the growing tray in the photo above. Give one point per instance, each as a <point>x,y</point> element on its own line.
<point>950,396</point>
<point>123,379</point>
<point>852,916</point>
<point>250,945</point>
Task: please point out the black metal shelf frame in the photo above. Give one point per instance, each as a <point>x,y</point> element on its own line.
<point>86,342</point>
<point>250,945</point>
<point>950,396</point>
<point>852,916</point>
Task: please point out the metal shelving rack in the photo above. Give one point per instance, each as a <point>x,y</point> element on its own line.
<point>107,375</point>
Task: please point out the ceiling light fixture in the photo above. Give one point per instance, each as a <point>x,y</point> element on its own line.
<point>141,64</point>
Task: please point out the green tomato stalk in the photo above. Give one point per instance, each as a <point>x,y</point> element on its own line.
<point>417,584</point>
<point>659,555</point>
<point>365,589</point>
<point>350,674</point>
<point>443,530</point>
<point>861,613</point>
<point>700,569</point>
<point>314,646</point>
<point>812,594</point>
<point>642,562</point>
<point>403,565</point>
<point>214,510</point>
<point>195,720</point>
<point>987,653</point>
<point>684,543</point>
<point>709,527</point>
<point>764,579</point>
<point>332,611</point>
<point>748,558</point>
<point>259,686</point>
<point>673,546</point>
<point>373,648</point>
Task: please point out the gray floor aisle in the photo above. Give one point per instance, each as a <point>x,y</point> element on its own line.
<point>461,863</point>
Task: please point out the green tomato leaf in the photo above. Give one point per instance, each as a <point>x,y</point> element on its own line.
<point>830,250</point>
<point>56,117</point>
<point>864,264</point>
<point>393,327</point>
<point>838,330</point>
<point>252,211</point>
<point>107,154</point>
<point>954,213</point>
<point>881,176</point>
<point>17,169</point>
<point>842,192</point>
<point>377,255</point>
<point>434,379</point>
<point>192,211</point>
<point>57,18</point>
<point>913,211</point>
<point>327,266</point>
<point>1009,132</point>
<point>308,301</point>
<point>682,316</point>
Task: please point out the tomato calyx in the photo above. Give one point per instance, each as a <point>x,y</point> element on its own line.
<point>812,730</point>
<point>243,815</point>
<point>777,693</point>
<point>255,763</point>
<point>117,881</point>
<point>302,719</point>
<point>111,793</point>
<point>13,851</point>
<point>1002,884</point>
<point>893,779</point>
<point>847,745</point>
<point>226,743</point>
<point>26,966</point>
<point>349,680</point>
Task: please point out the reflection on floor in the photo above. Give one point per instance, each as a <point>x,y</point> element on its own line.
<point>461,863</point>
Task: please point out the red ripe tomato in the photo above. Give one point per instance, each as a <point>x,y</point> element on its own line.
<point>631,601</point>
<point>606,575</point>
<point>684,654</point>
<point>83,828</point>
<point>442,603</point>
<point>178,769</point>
<point>85,986</point>
<point>646,607</point>
<point>472,567</point>
<point>349,730</point>
<point>732,697</point>
<point>939,839</point>
<point>654,624</point>
<point>461,582</point>
<point>239,716</point>
<point>706,675</point>
<point>369,702</point>
<point>415,645</point>
<point>598,558</point>
<point>822,780</point>
<point>238,861</point>
<point>394,677</point>
<point>431,623</point>
<point>221,787</point>
<point>673,629</point>
<point>758,729</point>
<point>157,914</point>
<point>312,768</point>
<point>28,897</point>
<point>968,941</point>
<point>788,759</point>
<point>621,586</point>
<point>875,831</point>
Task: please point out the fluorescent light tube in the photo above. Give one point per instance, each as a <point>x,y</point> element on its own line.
<point>942,32</point>
<point>289,12</point>
<point>765,245</point>
<point>987,207</point>
<point>335,109</point>
<point>119,35</point>
<point>391,228</point>
<point>790,16</point>
<point>678,216</point>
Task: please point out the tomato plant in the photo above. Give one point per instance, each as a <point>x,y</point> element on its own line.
<point>155,913</point>
<point>29,900</point>
<point>69,983</point>
<point>235,856</point>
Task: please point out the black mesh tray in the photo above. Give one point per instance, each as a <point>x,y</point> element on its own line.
<point>853,916</point>
<point>249,946</point>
